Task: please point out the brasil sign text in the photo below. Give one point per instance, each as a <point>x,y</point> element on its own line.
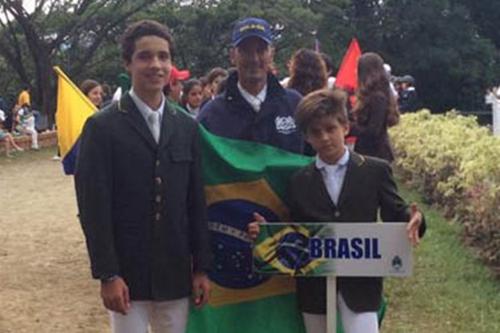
<point>341,249</point>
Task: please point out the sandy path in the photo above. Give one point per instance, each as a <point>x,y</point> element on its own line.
<point>45,283</point>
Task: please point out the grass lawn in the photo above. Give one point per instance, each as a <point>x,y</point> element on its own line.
<point>450,291</point>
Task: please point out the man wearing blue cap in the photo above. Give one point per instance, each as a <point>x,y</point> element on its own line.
<point>254,107</point>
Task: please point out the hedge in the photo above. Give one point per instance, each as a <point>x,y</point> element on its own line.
<point>455,163</point>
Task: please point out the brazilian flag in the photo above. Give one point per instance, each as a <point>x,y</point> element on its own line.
<point>241,178</point>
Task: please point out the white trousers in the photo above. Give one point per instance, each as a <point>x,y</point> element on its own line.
<point>163,317</point>
<point>29,128</point>
<point>352,322</point>
<point>34,138</point>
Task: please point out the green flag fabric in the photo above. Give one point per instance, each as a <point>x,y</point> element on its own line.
<point>241,178</point>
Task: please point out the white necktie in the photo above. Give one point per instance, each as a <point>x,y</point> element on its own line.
<point>154,124</point>
<point>334,184</point>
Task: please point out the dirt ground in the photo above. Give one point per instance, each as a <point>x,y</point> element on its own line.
<point>45,283</point>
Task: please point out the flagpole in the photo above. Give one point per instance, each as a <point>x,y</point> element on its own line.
<point>331,304</point>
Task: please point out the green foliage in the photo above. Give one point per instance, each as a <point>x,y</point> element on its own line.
<point>437,42</point>
<point>454,162</point>
<point>486,16</point>
<point>203,32</point>
<point>449,46</point>
<point>67,33</point>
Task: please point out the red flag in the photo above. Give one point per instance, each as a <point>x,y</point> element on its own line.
<point>347,76</point>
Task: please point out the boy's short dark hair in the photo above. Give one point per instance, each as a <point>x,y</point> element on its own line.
<point>140,29</point>
<point>324,102</point>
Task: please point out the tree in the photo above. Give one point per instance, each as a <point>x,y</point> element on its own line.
<point>203,30</point>
<point>56,30</point>
<point>438,43</point>
<point>449,46</point>
<point>486,16</point>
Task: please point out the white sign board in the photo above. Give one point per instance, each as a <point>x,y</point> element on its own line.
<point>340,249</point>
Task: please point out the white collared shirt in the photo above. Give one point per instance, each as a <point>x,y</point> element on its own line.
<point>254,101</point>
<point>333,174</point>
<point>144,109</point>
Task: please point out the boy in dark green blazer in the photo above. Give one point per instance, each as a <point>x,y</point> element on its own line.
<point>140,196</point>
<point>342,186</point>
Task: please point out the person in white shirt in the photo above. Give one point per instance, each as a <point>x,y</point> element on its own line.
<point>192,96</point>
<point>26,124</point>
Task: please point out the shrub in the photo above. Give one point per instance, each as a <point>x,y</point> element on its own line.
<point>455,163</point>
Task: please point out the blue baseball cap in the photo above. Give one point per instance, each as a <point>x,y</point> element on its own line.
<point>252,27</point>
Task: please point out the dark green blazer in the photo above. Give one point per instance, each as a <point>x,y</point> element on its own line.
<point>142,204</point>
<point>368,189</point>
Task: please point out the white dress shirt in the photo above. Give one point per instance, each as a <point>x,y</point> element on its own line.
<point>145,111</point>
<point>254,101</point>
<point>333,174</point>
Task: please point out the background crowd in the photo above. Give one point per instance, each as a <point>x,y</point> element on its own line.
<point>308,70</point>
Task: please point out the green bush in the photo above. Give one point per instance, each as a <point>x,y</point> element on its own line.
<point>455,163</point>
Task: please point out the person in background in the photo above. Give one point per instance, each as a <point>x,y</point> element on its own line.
<point>214,77</point>
<point>376,109</point>
<point>106,95</point>
<point>93,90</point>
<point>192,96</point>
<point>123,86</point>
<point>7,113</point>
<point>284,81</point>
<point>307,72</point>
<point>7,138</point>
<point>329,69</point>
<point>24,97</point>
<point>388,70</point>
<point>206,89</point>
<point>3,104</point>
<point>408,98</point>
<point>25,120</point>
<point>173,90</point>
